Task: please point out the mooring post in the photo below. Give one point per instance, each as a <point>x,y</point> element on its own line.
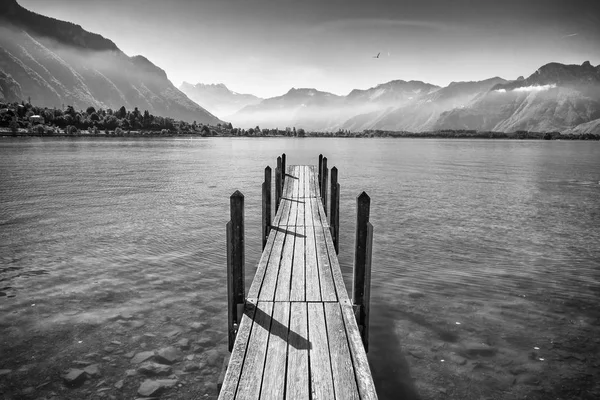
<point>278,184</point>
<point>320,171</point>
<point>266,206</point>
<point>235,266</point>
<point>361,286</point>
<point>282,171</point>
<point>334,215</point>
<point>324,184</point>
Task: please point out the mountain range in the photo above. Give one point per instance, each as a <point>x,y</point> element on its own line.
<point>556,97</point>
<point>56,63</point>
<point>218,98</point>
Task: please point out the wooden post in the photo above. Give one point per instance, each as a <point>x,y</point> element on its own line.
<point>361,286</point>
<point>320,171</point>
<point>282,171</point>
<point>278,184</point>
<point>334,215</point>
<point>324,184</point>
<point>235,266</point>
<point>266,206</point>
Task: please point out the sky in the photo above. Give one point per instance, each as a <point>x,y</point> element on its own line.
<point>266,47</point>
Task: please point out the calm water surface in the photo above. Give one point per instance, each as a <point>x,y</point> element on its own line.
<point>480,241</point>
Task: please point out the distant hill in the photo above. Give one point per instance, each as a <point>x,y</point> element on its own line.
<point>218,98</point>
<point>421,113</point>
<point>56,62</point>
<point>308,108</point>
<point>556,97</point>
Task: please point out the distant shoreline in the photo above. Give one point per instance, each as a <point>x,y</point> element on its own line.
<point>6,133</point>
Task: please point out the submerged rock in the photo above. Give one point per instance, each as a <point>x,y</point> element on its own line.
<point>155,387</point>
<point>168,355</point>
<point>478,349</point>
<point>142,356</point>
<point>74,377</point>
<point>154,369</point>
<point>184,344</point>
<point>93,371</point>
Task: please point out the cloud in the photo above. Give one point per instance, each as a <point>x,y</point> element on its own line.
<point>535,88</point>
<point>571,35</point>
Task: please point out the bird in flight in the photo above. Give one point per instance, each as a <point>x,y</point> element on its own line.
<point>377,56</point>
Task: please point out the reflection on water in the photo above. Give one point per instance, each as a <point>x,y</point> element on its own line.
<point>476,243</point>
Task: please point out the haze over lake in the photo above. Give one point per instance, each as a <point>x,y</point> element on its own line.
<point>475,241</point>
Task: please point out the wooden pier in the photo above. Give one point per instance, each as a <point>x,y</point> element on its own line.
<point>296,334</point>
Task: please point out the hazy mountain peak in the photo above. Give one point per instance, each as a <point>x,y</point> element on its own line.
<point>57,62</point>
<point>63,32</point>
<point>217,98</point>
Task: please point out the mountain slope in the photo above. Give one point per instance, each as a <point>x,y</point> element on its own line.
<point>556,97</point>
<point>57,62</point>
<point>307,108</point>
<point>218,98</point>
<point>422,113</point>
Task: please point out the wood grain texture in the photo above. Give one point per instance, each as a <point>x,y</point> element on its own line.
<point>238,355</point>
<point>297,381</point>
<point>298,283</point>
<point>262,268</point>
<point>342,368</point>
<point>321,380</point>
<point>338,279</point>
<point>313,285</point>
<point>273,386</point>
<point>364,379</point>
<point>328,291</point>
<point>284,277</point>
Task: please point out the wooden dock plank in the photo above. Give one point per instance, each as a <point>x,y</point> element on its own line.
<point>328,292</point>
<point>273,386</point>
<point>313,285</point>
<point>238,354</point>
<point>321,379</point>
<point>262,268</point>
<point>297,382</point>
<point>364,379</point>
<point>284,278</point>
<point>336,270</point>
<point>298,286</point>
<point>344,381</point>
<point>269,285</point>
<point>256,350</point>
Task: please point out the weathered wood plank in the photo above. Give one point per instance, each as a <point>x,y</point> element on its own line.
<point>298,285</point>
<point>366,386</point>
<point>262,268</point>
<point>338,278</point>
<point>320,364</point>
<point>341,362</point>
<point>282,292</point>
<point>256,350</point>
<point>273,386</point>
<point>313,285</point>
<point>307,180</point>
<point>288,184</point>
<point>238,354</point>
<point>328,292</point>
<point>298,348</point>
<point>269,285</point>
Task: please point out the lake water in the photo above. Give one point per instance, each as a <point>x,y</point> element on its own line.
<point>475,241</point>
